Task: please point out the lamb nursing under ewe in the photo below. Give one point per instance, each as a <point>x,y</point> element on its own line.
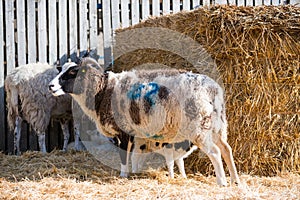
<point>157,105</point>
<point>172,153</point>
<point>28,98</point>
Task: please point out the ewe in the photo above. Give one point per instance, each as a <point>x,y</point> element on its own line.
<point>157,105</point>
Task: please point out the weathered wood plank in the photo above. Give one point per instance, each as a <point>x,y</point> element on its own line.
<point>145,9</point>
<point>2,105</point>
<point>221,2</point>
<point>275,2</point>
<point>115,14</point>
<point>186,4</point>
<point>294,2</point>
<point>73,30</point>
<point>135,12</point>
<point>107,32</point>
<point>42,31</point>
<point>52,24</point>
<point>231,2</point>
<point>206,2</point>
<point>240,3</point>
<point>10,39</point>
<point>21,42</point>
<point>155,7</point>
<point>176,6</point>
<point>249,2</point>
<point>267,2</point>
<point>31,32</point>
<point>124,13</point>
<point>196,3</point>
<point>166,7</point>
<point>83,27</point>
<point>62,33</point>
<point>258,2</point>
<point>93,27</point>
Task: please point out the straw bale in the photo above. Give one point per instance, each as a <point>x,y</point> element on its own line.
<point>257,54</point>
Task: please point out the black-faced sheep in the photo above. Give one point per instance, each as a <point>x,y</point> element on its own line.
<point>28,98</point>
<point>157,105</point>
<point>171,152</point>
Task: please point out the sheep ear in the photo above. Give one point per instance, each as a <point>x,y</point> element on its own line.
<point>88,61</point>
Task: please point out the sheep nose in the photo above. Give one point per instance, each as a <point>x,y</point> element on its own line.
<point>51,86</point>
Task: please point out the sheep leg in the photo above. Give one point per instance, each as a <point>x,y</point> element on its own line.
<point>124,152</point>
<point>77,135</point>
<point>136,159</point>
<point>42,142</point>
<point>65,128</point>
<point>226,152</point>
<point>129,146</point>
<point>214,154</point>
<point>170,164</point>
<point>124,165</point>
<point>17,135</point>
<point>180,163</point>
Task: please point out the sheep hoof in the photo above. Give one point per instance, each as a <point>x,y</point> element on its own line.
<point>124,175</point>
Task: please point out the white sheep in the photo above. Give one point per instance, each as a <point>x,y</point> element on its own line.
<point>171,152</point>
<point>157,105</point>
<point>28,98</point>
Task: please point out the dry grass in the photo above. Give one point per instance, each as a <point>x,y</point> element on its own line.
<point>77,175</point>
<point>257,53</point>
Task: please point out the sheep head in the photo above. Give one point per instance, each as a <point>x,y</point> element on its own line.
<point>75,79</point>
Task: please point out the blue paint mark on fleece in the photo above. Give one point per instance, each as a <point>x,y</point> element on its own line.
<point>151,90</point>
<point>155,137</point>
<point>151,94</point>
<point>136,91</point>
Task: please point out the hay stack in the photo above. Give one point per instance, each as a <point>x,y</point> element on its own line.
<point>257,52</point>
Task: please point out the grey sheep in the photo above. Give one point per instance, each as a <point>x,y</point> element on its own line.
<point>156,105</point>
<point>28,98</point>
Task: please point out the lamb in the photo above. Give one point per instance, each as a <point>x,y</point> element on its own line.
<point>28,98</point>
<point>171,152</point>
<point>156,105</point>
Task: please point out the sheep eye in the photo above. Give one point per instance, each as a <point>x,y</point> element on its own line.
<point>73,72</point>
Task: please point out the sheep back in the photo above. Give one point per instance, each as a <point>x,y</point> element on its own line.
<point>29,85</point>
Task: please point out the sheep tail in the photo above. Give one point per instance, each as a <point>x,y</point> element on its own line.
<point>12,101</point>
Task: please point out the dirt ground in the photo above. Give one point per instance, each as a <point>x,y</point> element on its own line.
<point>78,175</point>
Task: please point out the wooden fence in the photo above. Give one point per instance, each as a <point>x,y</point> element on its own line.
<point>55,30</point>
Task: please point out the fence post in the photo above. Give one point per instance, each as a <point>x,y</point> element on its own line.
<point>2,105</point>
<point>10,39</point>
<point>31,32</point>
<point>166,7</point>
<point>107,37</point>
<point>176,6</point>
<point>258,2</point>
<point>42,31</point>
<point>73,36</point>
<point>83,27</point>
<point>21,42</point>
<point>62,34</point>
<point>135,11</point>
<point>145,9</point>
<point>295,1</point>
<point>186,5</point>
<point>124,13</point>
<point>155,7</point>
<point>52,31</point>
<point>93,28</point>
